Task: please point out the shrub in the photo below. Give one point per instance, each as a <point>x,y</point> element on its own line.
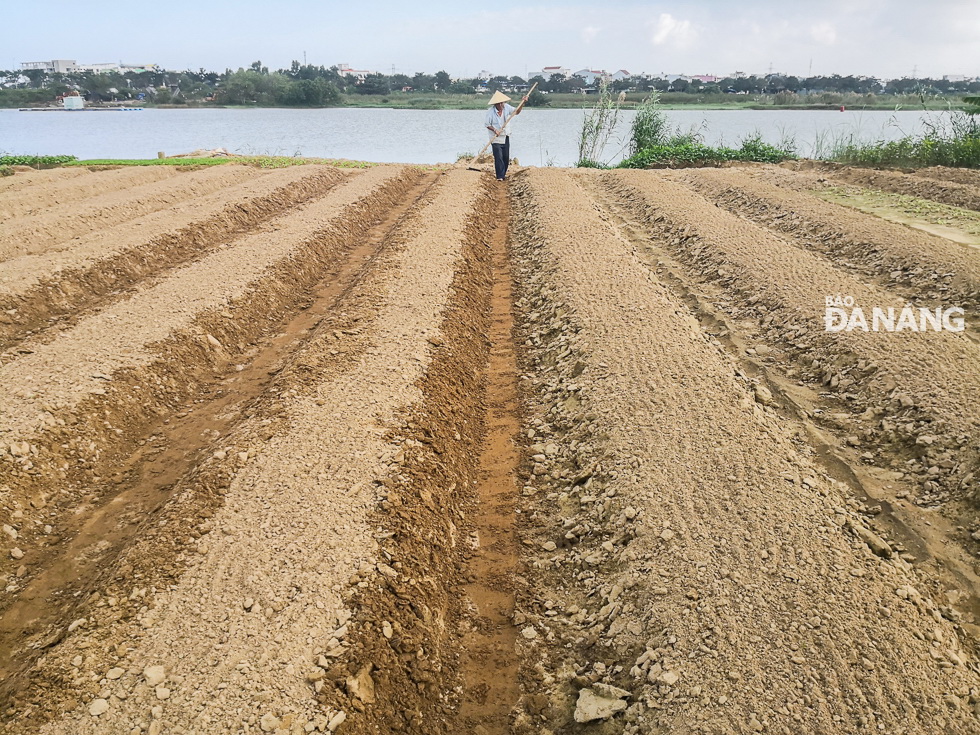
<point>35,160</point>
<point>6,170</point>
<point>650,126</point>
<point>954,141</point>
<point>689,150</point>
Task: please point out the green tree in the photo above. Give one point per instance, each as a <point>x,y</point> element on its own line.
<point>461,87</point>
<point>442,80</point>
<point>374,84</point>
<point>538,99</point>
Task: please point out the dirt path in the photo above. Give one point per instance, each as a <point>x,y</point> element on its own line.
<point>490,663</point>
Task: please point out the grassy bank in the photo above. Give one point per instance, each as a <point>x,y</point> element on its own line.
<point>951,141</point>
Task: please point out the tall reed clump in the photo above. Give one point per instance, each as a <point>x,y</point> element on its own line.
<point>597,128</point>
<point>650,126</point>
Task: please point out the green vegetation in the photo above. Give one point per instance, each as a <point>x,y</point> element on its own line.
<point>7,171</point>
<point>35,161</point>
<point>650,127</point>
<point>950,141</point>
<point>307,85</point>
<point>597,127</point>
<point>688,152</point>
<point>653,142</point>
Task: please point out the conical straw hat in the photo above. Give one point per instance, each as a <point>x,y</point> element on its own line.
<point>498,96</point>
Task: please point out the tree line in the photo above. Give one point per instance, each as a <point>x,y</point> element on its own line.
<point>308,85</point>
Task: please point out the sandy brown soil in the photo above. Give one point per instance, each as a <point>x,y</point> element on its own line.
<point>19,201</point>
<point>406,451</point>
<point>42,179</point>
<point>944,173</point>
<point>695,556</point>
<point>935,268</point>
<point>51,228</point>
<point>38,287</point>
<point>956,192</point>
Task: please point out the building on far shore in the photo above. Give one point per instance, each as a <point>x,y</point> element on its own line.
<point>359,74</point>
<point>562,71</point>
<point>120,67</point>
<point>589,76</point>
<point>55,66</point>
<point>70,66</point>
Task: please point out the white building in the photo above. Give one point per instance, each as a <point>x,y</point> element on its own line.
<point>120,67</point>
<point>55,66</point>
<point>485,75</point>
<point>68,66</point>
<point>563,71</point>
<point>589,76</point>
<point>359,74</point>
<point>620,75</point>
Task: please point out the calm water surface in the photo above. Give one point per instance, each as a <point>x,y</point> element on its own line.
<point>540,137</point>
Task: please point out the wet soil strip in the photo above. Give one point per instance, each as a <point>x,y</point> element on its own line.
<point>490,664</point>
<point>148,478</point>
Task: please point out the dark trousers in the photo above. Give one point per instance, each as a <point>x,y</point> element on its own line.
<point>501,157</point>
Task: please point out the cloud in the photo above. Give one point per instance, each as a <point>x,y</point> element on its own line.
<point>668,29</point>
<point>824,33</point>
<point>589,33</point>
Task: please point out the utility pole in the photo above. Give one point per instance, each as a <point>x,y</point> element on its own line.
<point>915,70</point>
<point>304,58</point>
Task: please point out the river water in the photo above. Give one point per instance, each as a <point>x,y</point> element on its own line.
<point>540,137</point>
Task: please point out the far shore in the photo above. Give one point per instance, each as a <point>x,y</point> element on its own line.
<point>669,101</point>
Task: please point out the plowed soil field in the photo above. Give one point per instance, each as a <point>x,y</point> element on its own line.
<point>414,451</point>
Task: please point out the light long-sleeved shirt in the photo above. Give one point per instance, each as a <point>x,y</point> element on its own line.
<point>497,121</point>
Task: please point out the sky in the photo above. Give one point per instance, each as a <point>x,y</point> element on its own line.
<point>897,38</point>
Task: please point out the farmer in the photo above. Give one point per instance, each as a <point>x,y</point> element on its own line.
<point>497,114</point>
